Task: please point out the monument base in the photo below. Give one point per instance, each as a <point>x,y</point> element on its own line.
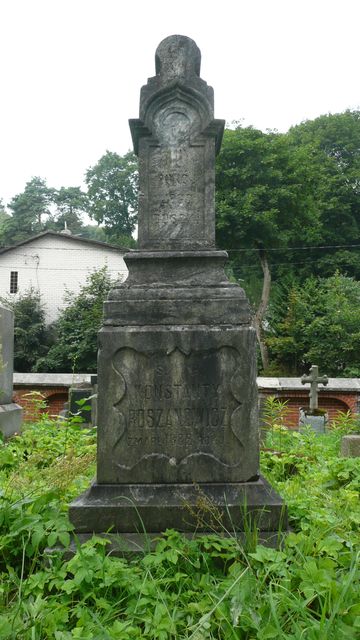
<point>317,421</point>
<point>141,508</point>
<point>11,416</point>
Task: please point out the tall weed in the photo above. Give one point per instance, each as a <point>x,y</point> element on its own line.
<point>209,587</point>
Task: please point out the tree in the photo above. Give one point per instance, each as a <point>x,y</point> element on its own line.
<point>29,210</point>
<point>262,204</point>
<point>71,203</point>
<point>75,348</point>
<point>112,192</point>
<point>94,232</point>
<point>316,322</point>
<point>4,217</point>
<point>332,147</point>
<point>31,338</point>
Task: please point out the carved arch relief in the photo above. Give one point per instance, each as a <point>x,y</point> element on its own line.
<point>180,408</point>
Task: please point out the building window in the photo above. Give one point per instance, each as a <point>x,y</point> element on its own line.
<point>13,281</point>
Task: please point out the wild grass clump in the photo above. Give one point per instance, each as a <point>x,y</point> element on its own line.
<point>209,587</point>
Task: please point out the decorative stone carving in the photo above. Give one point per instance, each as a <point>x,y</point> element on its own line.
<point>177,395</point>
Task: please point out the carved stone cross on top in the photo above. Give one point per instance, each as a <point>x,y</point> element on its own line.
<point>314,380</point>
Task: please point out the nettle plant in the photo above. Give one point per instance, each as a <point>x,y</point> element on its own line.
<point>206,588</point>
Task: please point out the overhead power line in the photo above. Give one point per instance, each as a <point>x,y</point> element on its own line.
<point>305,248</point>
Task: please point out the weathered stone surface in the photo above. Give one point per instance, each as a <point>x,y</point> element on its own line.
<point>177,394</point>
<point>7,355</point>
<point>350,446</point>
<point>10,413</point>
<point>182,287</point>
<point>317,423</point>
<point>80,392</point>
<point>175,138</point>
<point>185,507</point>
<point>182,406</point>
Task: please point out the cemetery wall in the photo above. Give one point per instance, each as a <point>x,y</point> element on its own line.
<point>340,395</point>
<point>53,387</point>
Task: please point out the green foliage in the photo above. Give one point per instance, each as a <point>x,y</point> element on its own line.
<point>29,211</point>
<point>200,589</point>
<point>292,190</point>
<point>31,337</point>
<point>112,193</point>
<point>76,329</point>
<point>332,147</point>
<point>71,203</point>
<point>316,322</point>
<point>263,197</point>
<point>93,232</point>
<point>293,200</point>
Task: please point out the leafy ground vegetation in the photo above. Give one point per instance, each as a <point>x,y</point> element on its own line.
<point>206,588</point>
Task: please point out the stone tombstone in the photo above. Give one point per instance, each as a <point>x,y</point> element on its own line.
<point>177,394</point>
<point>312,416</point>
<point>10,413</point>
<point>81,392</point>
<point>350,446</point>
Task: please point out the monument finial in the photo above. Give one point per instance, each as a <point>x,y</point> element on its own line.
<point>177,57</point>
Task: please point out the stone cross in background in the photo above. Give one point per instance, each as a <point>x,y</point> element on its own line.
<point>314,379</point>
<point>10,413</point>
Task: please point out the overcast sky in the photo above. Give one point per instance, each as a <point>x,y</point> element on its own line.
<point>71,71</point>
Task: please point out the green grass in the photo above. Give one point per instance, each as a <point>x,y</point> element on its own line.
<point>206,588</point>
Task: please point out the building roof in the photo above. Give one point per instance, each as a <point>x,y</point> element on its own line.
<point>66,237</point>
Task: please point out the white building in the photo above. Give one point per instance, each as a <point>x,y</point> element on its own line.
<point>53,262</point>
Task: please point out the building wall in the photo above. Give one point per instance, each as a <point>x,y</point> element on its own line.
<point>53,263</point>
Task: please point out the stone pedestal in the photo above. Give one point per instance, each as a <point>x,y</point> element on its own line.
<point>81,392</point>
<point>10,413</point>
<point>318,422</point>
<point>177,396</point>
<point>350,446</point>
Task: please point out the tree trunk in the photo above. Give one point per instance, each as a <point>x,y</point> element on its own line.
<point>262,308</point>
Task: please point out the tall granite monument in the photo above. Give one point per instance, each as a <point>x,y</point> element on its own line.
<point>177,396</point>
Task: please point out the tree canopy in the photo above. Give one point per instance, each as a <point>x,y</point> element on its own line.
<point>287,210</point>
<point>71,205</point>
<point>289,205</point>
<point>29,211</point>
<point>110,200</point>
<point>112,194</point>
<point>316,321</point>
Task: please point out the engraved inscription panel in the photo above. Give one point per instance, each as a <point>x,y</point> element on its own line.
<point>173,406</point>
<point>176,192</point>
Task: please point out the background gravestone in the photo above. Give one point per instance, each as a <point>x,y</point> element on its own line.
<point>350,446</point>
<point>313,416</point>
<point>177,395</point>
<point>10,413</point>
<point>81,392</point>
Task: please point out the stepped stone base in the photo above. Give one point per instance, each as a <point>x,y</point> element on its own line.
<point>11,416</point>
<point>185,507</point>
<point>350,446</point>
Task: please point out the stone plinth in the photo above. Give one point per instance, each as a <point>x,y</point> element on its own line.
<point>10,413</point>
<point>350,446</point>
<point>317,423</point>
<point>177,396</point>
